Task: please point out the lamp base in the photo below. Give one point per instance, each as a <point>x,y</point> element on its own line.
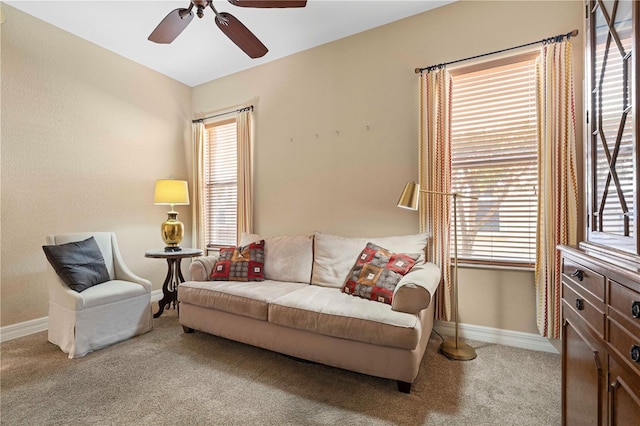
<point>459,352</point>
<point>172,231</point>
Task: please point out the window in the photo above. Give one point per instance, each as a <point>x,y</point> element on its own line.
<point>494,158</point>
<point>221,185</point>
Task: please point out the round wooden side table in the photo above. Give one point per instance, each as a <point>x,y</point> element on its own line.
<point>174,274</point>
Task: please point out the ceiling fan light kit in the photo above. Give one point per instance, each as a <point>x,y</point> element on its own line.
<point>177,20</point>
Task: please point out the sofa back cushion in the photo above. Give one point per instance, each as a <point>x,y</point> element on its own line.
<point>286,258</point>
<point>334,256</point>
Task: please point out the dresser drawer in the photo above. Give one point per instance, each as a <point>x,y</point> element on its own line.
<point>625,343</point>
<point>627,304</point>
<point>584,277</point>
<point>588,311</point>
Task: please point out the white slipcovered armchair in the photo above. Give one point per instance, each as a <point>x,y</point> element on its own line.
<point>103,314</point>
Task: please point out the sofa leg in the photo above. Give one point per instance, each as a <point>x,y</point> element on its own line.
<point>187,329</point>
<point>404,387</point>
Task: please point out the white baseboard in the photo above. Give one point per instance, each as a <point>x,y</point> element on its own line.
<point>25,328</point>
<point>21,329</point>
<point>516,339</point>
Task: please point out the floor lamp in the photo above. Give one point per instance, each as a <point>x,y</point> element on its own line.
<point>409,199</point>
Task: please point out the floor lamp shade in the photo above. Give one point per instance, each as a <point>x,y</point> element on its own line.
<point>410,196</point>
<point>409,199</point>
<point>172,193</point>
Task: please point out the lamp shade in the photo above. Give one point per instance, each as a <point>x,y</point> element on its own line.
<point>171,192</point>
<point>409,197</point>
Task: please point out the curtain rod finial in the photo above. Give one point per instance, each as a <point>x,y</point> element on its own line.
<point>418,70</point>
<point>573,33</point>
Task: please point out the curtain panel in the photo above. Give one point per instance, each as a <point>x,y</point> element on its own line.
<point>557,179</point>
<point>435,175</point>
<point>245,172</point>
<point>197,187</point>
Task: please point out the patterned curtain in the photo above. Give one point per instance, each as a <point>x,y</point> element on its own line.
<point>197,187</point>
<point>557,182</point>
<point>435,175</point>
<point>245,172</point>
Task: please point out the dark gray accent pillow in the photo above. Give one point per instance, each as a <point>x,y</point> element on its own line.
<point>79,264</point>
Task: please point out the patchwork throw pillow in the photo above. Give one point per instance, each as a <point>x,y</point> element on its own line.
<point>79,264</point>
<point>240,263</point>
<point>377,272</point>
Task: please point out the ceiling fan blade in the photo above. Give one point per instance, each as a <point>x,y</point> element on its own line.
<point>171,26</point>
<point>240,35</point>
<point>269,3</point>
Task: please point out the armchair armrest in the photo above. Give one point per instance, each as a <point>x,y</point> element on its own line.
<point>415,290</point>
<point>122,271</point>
<point>200,268</point>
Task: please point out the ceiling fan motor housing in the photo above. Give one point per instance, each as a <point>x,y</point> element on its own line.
<point>201,5</point>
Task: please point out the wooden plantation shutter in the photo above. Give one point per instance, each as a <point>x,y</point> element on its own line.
<point>221,188</point>
<point>494,158</point>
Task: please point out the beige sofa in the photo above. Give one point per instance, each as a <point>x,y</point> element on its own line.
<point>300,310</point>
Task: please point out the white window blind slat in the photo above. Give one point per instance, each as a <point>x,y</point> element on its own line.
<point>221,186</point>
<point>494,158</point>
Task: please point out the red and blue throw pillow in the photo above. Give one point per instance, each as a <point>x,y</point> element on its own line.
<point>240,263</point>
<point>377,272</point>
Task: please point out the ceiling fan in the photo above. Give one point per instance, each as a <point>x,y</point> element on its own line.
<point>177,20</point>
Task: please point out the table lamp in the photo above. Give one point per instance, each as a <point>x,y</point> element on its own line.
<point>173,193</point>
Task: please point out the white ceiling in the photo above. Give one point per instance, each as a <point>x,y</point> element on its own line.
<point>202,52</point>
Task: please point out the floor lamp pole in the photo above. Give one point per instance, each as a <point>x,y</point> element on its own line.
<point>456,350</point>
<point>410,199</point>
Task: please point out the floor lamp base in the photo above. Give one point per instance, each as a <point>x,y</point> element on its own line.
<point>459,352</point>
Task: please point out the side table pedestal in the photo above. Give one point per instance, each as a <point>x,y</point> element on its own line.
<point>174,274</point>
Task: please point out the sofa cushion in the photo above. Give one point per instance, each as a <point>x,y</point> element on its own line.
<point>249,299</point>
<point>377,272</point>
<point>334,255</point>
<point>79,263</point>
<point>244,263</point>
<point>330,312</point>
<point>287,258</point>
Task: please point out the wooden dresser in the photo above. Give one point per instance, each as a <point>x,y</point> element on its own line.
<point>601,339</point>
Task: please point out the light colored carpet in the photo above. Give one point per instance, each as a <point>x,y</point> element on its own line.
<point>166,377</point>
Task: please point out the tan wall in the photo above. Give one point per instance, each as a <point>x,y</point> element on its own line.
<point>85,134</point>
<point>337,127</point>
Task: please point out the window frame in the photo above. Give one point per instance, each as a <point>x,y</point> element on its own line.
<point>210,244</point>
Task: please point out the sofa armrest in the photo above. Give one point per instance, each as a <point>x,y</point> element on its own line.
<point>200,268</point>
<point>415,290</point>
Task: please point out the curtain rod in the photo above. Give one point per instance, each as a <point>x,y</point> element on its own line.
<point>200,120</point>
<point>554,39</point>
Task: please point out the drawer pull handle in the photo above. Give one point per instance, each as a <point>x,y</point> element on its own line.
<point>635,310</point>
<point>635,353</point>
<point>578,274</point>
<point>579,304</point>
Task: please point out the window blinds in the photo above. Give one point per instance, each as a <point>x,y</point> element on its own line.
<point>221,186</point>
<point>494,158</point>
